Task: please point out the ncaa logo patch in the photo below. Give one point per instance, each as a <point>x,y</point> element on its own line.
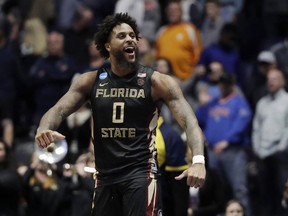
<point>103,75</point>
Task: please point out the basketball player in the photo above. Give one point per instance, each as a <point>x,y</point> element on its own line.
<point>125,102</point>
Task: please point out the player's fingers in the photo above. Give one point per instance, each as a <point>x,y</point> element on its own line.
<point>58,135</point>
<point>182,175</point>
<point>50,137</point>
<point>37,141</point>
<point>201,182</point>
<point>191,181</point>
<point>42,143</point>
<point>44,139</point>
<point>197,182</point>
<point>40,139</point>
<point>47,138</point>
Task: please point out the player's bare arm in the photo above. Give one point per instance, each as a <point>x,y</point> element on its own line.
<point>165,88</point>
<point>75,97</point>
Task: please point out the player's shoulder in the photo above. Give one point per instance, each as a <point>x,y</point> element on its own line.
<point>87,76</point>
<point>162,85</point>
<point>161,77</point>
<point>85,80</point>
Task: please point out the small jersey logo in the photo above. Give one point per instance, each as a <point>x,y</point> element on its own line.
<point>103,75</point>
<point>103,84</point>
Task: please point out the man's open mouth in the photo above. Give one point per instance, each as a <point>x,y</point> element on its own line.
<point>129,50</point>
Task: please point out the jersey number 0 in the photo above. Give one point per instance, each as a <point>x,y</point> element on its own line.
<point>118,112</point>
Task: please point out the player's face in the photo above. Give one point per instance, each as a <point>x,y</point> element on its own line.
<point>123,43</point>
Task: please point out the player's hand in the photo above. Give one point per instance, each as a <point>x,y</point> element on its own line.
<point>46,137</point>
<point>195,175</point>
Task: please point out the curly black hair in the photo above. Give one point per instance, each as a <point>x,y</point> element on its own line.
<point>106,27</point>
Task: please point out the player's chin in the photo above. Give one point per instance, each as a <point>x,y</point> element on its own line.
<point>131,58</point>
<point>129,54</point>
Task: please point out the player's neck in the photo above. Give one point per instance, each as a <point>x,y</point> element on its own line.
<point>122,69</point>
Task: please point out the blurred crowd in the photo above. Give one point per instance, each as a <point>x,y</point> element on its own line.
<point>228,56</point>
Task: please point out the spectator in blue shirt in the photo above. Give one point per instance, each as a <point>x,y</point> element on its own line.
<point>224,51</point>
<point>225,121</point>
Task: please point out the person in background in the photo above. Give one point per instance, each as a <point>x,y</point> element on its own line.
<point>34,38</point>
<point>230,10</point>
<point>136,9</point>
<point>33,45</point>
<point>208,89</point>
<point>171,155</point>
<point>45,10</point>
<point>234,208</point>
<point>256,87</point>
<point>51,76</point>
<point>179,41</point>
<point>10,184</point>
<point>43,191</point>
<point>210,200</point>
<point>96,60</point>
<point>10,83</point>
<point>77,37</point>
<point>152,19</point>
<point>270,142</point>
<point>146,13</point>
<point>224,51</point>
<point>212,23</point>
<point>201,89</point>
<point>80,181</point>
<point>225,122</point>
<point>280,49</point>
<point>163,65</point>
<point>146,51</point>
<point>77,129</point>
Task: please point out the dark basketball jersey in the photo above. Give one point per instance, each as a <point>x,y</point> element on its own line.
<point>124,124</point>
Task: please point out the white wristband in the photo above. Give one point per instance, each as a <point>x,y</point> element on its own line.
<point>198,159</point>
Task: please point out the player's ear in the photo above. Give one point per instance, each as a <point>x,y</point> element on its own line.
<point>107,46</point>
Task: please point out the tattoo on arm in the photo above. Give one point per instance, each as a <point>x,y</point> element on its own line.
<point>186,118</point>
<point>167,89</point>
